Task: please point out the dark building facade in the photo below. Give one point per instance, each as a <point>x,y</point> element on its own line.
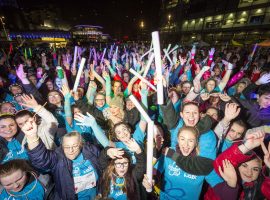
<point>215,22</point>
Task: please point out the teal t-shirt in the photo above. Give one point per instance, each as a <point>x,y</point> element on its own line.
<point>116,191</point>
<point>85,178</point>
<point>16,151</point>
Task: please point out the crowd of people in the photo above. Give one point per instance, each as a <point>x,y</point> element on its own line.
<point>89,142</point>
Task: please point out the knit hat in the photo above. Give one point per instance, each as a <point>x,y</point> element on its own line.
<point>118,102</point>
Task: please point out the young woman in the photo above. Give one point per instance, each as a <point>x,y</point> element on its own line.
<point>178,184</point>
<point>19,181</point>
<point>253,177</point>
<point>47,123</point>
<point>121,178</point>
<point>10,140</point>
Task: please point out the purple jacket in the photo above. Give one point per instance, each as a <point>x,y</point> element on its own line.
<point>61,167</point>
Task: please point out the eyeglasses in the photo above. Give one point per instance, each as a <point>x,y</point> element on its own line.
<point>51,96</point>
<point>99,100</point>
<point>120,165</point>
<point>75,147</point>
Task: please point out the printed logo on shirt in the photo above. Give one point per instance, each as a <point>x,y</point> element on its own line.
<point>174,170</point>
<point>190,176</point>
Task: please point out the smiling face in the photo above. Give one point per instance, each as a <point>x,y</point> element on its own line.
<point>16,90</point>
<point>235,132</point>
<point>7,108</point>
<point>100,100</point>
<point>115,110</point>
<point>210,85</point>
<point>187,141</point>
<point>15,181</point>
<point>121,166</point>
<point>249,171</point>
<point>190,115</point>
<point>72,146</point>
<point>117,88</point>
<point>8,128</point>
<point>122,133</point>
<point>264,100</point>
<point>54,98</point>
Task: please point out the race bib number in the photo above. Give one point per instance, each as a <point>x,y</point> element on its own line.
<point>85,182</point>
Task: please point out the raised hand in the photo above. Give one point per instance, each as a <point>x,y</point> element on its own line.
<point>29,101</point>
<point>20,73</point>
<point>132,145</point>
<point>263,79</point>
<point>115,153</point>
<point>211,53</point>
<point>266,152</point>
<point>254,139</point>
<point>147,183</point>
<point>227,64</point>
<point>83,120</point>
<point>105,75</point>
<point>232,110</point>
<point>225,97</point>
<point>228,173</point>
<point>30,128</point>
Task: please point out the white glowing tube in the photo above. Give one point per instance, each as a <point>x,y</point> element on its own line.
<point>167,55</point>
<point>156,45</point>
<point>140,108</point>
<point>76,84</point>
<point>111,51</point>
<point>148,65</point>
<point>116,51</point>
<point>142,79</point>
<point>149,157</point>
<point>174,48</point>
<point>146,53</point>
<point>168,48</point>
<point>75,56</point>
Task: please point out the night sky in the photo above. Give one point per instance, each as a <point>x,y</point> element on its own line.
<point>118,17</point>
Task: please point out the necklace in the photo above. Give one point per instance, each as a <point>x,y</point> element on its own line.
<point>118,184</point>
<point>26,193</point>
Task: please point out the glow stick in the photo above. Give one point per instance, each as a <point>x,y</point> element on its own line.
<point>76,84</point>
<point>111,51</point>
<point>254,49</point>
<point>146,53</point>
<point>75,57</point>
<point>167,55</point>
<point>148,65</point>
<point>168,48</point>
<point>174,48</point>
<point>116,51</point>
<point>156,45</point>
<point>149,157</point>
<point>140,108</point>
<point>102,58</point>
<point>142,79</point>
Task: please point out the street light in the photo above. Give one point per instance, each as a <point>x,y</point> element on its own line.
<point>142,24</point>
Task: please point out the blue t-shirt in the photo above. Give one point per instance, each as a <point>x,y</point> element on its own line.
<point>85,178</point>
<point>207,141</point>
<point>138,136</point>
<point>178,184</point>
<point>32,191</point>
<point>116,191</point>
<point>16,151</point>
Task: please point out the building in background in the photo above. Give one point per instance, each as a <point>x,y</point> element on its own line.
<point>88,33</point>
<point>215,22</point>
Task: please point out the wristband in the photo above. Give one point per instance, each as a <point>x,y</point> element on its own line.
<point>31,142</point>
